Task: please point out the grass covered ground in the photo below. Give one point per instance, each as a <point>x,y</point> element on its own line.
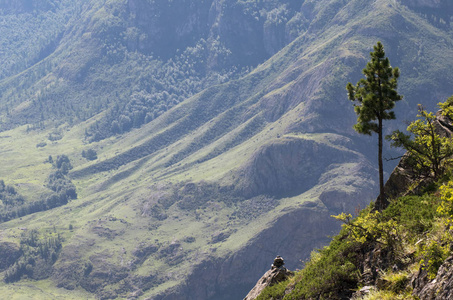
<point>384,250</point>
<point>161,198</point>
<point>180,216</point>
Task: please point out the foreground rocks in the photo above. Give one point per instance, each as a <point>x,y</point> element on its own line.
<point>439,288</point>
<point>276,274</point>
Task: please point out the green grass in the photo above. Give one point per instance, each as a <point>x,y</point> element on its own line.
<point>335,270</point>
<point>123,200</point>
<point>270,94</point>
<point>42,290</point>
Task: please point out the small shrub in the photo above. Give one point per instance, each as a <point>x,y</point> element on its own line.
<point>446,206</point>
<point>334,272</point>
<point>396,282</point>
<point>189,239</point>
<point>434,254</point>
<point>275,292</point>
<point>90,154</point>
<point>54,136</point>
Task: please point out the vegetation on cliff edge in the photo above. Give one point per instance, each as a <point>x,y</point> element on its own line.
<point>387,251</point>
<point>384,250</point>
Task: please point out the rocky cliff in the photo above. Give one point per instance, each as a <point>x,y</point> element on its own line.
<point>285,166</point>
<point>438,288</point>
<point>386,259</point>
<point>248,32</point>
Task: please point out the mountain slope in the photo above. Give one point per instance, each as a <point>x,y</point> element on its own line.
<point>401,252</point>
<point>201,197</point>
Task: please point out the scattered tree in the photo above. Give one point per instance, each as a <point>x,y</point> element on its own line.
<point>428,151</point>
<point>38,253</point>
<point>374,98</point>
<point>63,164</point>
<point>90,154</point>
<point>14,205</point>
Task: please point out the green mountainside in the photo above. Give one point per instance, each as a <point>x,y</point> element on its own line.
<point>202,138</point>
<point>401,252</point>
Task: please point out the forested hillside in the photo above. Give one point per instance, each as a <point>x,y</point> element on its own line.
<point>171,149</point>
<point>133,66</point>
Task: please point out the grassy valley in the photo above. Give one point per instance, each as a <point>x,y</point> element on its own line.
<point>215,163</point>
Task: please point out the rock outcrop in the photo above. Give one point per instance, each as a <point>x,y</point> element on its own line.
<point>285,167</point>
<point>276,274</point>
<point>440,288</point>
<point>399,181</point>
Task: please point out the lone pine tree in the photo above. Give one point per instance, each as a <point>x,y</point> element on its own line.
<point>374,98</point>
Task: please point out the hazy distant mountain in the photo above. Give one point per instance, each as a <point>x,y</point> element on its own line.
<point>215,135</point>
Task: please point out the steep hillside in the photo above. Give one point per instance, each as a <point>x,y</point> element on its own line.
<point>401,252</point>
<point>114,58</point>
<point>216,140</point>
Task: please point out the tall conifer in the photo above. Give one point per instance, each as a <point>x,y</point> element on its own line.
<point>374,98</point>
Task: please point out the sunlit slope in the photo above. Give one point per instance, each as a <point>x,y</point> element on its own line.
<point>174,223</point>
<point>210,191</point>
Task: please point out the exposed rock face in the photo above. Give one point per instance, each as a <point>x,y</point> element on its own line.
<point>440,288</point>
<point>444,125</point>
<point>285,167</point>
<point>276,274</point>
<point>249,32</point>
<point>171,26</point>
<point>400,179</point>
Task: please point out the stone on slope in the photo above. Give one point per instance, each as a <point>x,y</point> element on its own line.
<point>276,274</point>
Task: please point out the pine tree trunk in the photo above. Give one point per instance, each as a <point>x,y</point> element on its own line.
<point>381,202</point>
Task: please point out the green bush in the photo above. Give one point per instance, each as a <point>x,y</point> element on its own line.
<point>90,154</point>
<point>275,292</point>
<point>333,273</point>
<point>415,213</point>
